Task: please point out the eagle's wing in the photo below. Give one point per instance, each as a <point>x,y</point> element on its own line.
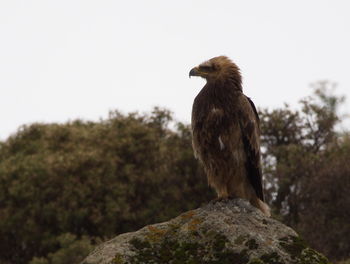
<point>206,129</point>
<point>195,145</point>
<point>249,124</point>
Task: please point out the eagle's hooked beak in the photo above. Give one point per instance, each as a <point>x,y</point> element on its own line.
<point>194,72</point>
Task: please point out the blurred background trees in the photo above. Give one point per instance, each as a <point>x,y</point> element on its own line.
<point>307,171</point>
<point>65,188</point>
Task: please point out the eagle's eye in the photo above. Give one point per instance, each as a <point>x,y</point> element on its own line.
<point>206,68</point>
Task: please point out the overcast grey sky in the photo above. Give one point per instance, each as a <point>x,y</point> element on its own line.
<point>68,59</point>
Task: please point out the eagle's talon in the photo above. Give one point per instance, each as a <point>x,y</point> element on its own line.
<point>232,197</point>
<point>220,199</point>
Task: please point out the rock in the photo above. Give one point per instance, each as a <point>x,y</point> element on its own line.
<point>224,232</point>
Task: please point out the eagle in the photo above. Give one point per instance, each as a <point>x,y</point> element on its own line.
<point>226,133</point>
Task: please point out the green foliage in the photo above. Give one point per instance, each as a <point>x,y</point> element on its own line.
<point>72,250</point>
<point>307,170</point>
<point>93,179</point>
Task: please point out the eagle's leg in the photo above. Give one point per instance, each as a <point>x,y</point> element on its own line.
<point>232,196</point>
<point>222,195</point>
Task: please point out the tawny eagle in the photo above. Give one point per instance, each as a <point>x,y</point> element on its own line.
<point>226,133</point>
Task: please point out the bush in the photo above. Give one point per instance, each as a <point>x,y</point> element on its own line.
<point>71,250</point>
<point>93,179</point>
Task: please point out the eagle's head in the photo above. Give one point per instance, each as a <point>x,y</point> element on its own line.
<point>218,69</point>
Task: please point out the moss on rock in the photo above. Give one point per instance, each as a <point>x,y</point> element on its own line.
<point>168,250</point>
<point>220,233</point>
<point>310,256</point>
<point>271,258</point>
<point>251,244</point>
<point>294,245</point>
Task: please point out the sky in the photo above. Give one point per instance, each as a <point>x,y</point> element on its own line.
<point>69,59</point>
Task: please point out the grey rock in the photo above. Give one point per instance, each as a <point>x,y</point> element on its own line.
<point>223,232</point>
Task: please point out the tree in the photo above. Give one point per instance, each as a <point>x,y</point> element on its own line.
<point>93,179</point>
<point>306,170</point>
<point>71,250</point>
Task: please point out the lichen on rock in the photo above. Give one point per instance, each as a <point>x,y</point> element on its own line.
<point>219,233</point>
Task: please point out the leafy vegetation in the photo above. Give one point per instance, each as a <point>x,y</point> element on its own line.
<point>93,179</point>
<point>72,250</point>
<point>307,170</point>
<point>66,187</point>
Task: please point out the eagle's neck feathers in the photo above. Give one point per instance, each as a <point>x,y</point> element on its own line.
<point>225,89</point>
<point>229,78</point>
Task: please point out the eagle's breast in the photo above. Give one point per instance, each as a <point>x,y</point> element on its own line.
<point>216,131</point>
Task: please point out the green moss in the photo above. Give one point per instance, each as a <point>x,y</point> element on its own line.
<point>139,244</point>
<point>228,257</point>
<point>118,259</point>
<point>225,256</point>
<point>272,258</point>
<point>310,256</point>
<point>195,234</point>
<point>169,250</point>
<point>294,245</point>
<point>219,242</point>
<point>307,256</point>
<point>165,252</point>
<point>256,261</point>
<point>251,244</point>
<point>239,240</point>
<point>300,252</point>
